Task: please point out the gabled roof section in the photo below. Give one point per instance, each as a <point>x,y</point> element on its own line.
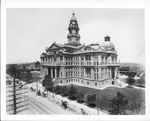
<point>88,48</point>
<point>55,46</point>
<point>91,47</point>
<point>95,46</point>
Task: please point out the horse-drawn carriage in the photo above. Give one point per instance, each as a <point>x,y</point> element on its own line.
<point>64,104</point>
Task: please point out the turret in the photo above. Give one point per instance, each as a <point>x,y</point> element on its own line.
<point>73,36</point>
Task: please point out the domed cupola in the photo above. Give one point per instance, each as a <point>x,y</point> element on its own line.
<point>107,45</point>
<point>73,36</point>
<point>73,18</point>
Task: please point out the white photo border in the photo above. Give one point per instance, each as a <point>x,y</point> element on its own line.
<point>144,4</point>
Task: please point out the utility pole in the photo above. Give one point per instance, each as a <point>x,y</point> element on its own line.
<point>14,95</point>
<point>16,98</point>
<point>98,102</point>
<point>37,87</point>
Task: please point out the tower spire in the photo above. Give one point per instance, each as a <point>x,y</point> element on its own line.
<point>73,36</point>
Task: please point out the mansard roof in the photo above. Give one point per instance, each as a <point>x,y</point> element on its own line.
<point>74,44</point>
<point>79,49</point>
<point>96,48</point>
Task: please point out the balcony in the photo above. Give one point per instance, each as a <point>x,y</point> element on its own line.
<point>113,64</point>
<point>51,64</point>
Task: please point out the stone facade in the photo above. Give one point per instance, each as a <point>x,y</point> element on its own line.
<point>93,65</point>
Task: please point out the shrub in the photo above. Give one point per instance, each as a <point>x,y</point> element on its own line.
<point>57,90</point>
<point>64,91</point>
<point>80,97</point>
<point>91,100</point>
<point>130,79</point>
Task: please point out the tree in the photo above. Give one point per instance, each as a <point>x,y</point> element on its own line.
<point>136,107</point>
<point>12,71</point>
<point>72,93</point>
<point>47,83</point>
<point>141,81</point>
<point>64,91</point>
<point>118,105</point>
<point>91,100</point>
<point>130,79</point>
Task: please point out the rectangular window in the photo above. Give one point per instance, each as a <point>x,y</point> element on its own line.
<point>61,58</point>
<point>82,58</point>
<point>88,57</point>
<point>95,84</point>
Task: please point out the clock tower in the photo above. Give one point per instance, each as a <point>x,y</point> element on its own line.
<point>73,36</point>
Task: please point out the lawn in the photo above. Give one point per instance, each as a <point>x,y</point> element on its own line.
<point>108,93</point>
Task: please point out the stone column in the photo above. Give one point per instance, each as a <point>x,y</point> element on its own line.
<point>104,59</point>
<point>55,72</point>
<point>92,73</point>
<point>107,73</point>
<point>46,70</point>
<point>99,59</point>
<point>84,60</point>
<point>110,59</point>
<point>51,72</point>
<point>84,73</point>
<point>92,60</point>
<point>110,73</point>
<point>116,72</point>
<point>104,73</point>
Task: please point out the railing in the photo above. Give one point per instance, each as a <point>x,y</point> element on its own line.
<point>51,64</point>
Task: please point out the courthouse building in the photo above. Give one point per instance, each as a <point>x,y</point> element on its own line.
<point>93,65</point>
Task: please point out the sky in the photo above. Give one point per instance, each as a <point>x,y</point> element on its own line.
<point>30,30</point>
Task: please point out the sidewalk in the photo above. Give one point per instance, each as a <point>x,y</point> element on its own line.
<point>76,107</point>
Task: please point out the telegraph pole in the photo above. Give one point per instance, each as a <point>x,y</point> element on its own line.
<point>36,86</point>
<point>14,96</point>
<point>98,102</point>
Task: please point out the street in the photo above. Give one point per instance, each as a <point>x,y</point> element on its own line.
<point>38,105</point>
